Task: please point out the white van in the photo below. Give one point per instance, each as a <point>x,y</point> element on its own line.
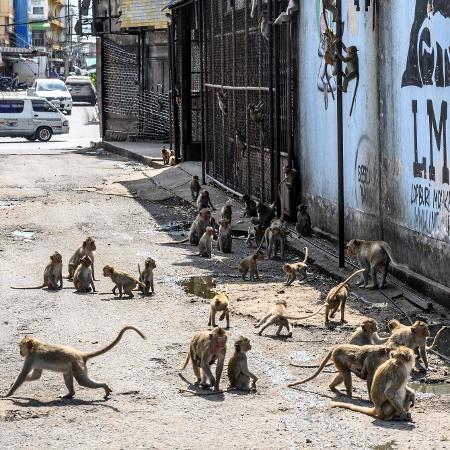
<point>30,117</point>
<point>53,90</point>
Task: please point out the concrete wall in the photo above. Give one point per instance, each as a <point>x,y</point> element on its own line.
<point>384,196</point>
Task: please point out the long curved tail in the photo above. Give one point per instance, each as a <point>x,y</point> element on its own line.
<point>362,409</point>
<point>431,347</point>
<point>139,270</point>
<point>225,264</point>
<point>188,357</point>
<point>321,367</point>
<point>341,285</point>
<point>175,242</point>
<point>113,343</point>
<point>306,255</point>
<point>34,287</point>
<point>387,248</point>
<point>305,317</point>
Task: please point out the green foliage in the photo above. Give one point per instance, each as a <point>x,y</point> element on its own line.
<point>94,78</point>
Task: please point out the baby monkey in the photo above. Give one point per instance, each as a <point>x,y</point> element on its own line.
<point>296,269</point>
<point>82,278</point>
<point>219,303</point>
<point>87,249</point>
<point>123,281</point>
<point>205,244</point>
<point>204,201</point>
<point>238,372</point>
<point>52,275</point>
<point>195,188</point>
<point>172,159</point>
<point>146,277</point>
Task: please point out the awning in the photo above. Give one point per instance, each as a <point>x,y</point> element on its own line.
<point>15,50</point>
<point>40,26</point>
<point>173,3</point>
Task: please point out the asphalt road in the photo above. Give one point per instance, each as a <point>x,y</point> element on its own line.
<point>51,197</point>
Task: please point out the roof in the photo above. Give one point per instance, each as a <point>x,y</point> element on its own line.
<point>174,3</point>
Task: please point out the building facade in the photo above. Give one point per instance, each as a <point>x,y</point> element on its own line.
<point>22,27</point>
<point>6,20</point>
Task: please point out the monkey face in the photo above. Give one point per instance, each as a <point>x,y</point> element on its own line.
<point>26,344</point>
<point>259,256</point>
<point>281,302</point>
<point>107,271</point>
<point>403,354</point>
<point>420,329</point>
<point>89,244</point>
<point>393,324</point>
<point>209,231</point>
<point>56,258</point>
<point>150,263</point>
<point>351,248</point>
<point>86,261</point>
<point>369,326</point>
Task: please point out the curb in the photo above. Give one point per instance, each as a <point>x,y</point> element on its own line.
<point>151,162</point>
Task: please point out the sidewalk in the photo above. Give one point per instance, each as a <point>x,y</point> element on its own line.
<point>322,251</point>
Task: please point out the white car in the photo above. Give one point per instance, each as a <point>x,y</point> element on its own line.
<point>53,90</point>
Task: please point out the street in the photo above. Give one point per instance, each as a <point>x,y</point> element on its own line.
<point>53,195</point>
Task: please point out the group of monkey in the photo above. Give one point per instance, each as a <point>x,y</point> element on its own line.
<point>385,363</point>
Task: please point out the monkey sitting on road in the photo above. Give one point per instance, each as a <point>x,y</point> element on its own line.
<point>372,255</point>
<point>225,238</point>
<point>389,391</point>
<point>71,362</point>
<point>205,243</point>
<point>227,211</point>
<point>220,302</point>
<point>87,249</point>
<point>172,159</point>
<point>195,188</point>
<point>82,278</point>
<point>204,201</point>
<point>296,269</point>
<point>146,277</point>
<point>122,280</point>
<point>207,348</point>
<point>250,206</point>
<point>165,153</point>
<point>238,372</point>
<point>303,226</point>
<point>52,275</point>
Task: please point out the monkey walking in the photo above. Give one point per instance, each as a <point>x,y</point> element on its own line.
<point>40,356</point>
<point>296,269</point>
<point>220,303</point>
<point>52,275</point>
<point>122,280</point>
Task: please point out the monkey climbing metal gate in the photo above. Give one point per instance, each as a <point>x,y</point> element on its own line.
<point>244,145</point>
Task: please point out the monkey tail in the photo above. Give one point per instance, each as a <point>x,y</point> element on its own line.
<point>321,367</point>
<point>365,410</point>
<point>225,264</point>
<point>139,270</point>
<point>354,95</point>
<point>341,285</point>
<point>306,255</point>
<point>175,242</point>
<point>113,343</point>
<point>431,347</point>
<point>142,285</point>
<point>387,248</point>
<point>305,317</point>
<point>34,287</point>
<point>188,357</point>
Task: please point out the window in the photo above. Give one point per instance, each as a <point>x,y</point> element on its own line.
<point>51,85</point>
<point>38,10</point>
<point>11,106</point>
<point>42,106</point>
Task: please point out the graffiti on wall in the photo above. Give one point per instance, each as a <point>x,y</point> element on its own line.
<point>428,65</point>
<point>366,175</point>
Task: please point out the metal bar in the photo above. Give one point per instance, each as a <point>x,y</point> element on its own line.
<point>222,68</point>
<point>171,86</point>
<point>237,88</point>
<point>272,137</point>
<point>289,94</point>
<point>205,67</point>
<point>233,28</point>
<point>202,89</point>
<point>262,174</point>
<point>249,182</point>
<point>176,122</point>
<point>277,112</point>
<point>340,143</point>
<point>214,61</point>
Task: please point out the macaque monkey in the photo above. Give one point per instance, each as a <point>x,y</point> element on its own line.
<point>199,226</point>
<point>207,348</point>
<point>250,264</point>
<point>256,112</point>
<point>286,16</point>
<point>290,174</point>
<point>52,275</point>
<point>303,226</point>
<point>351,71</point>
<point>165,153</point>
<point>227,211</point>
<point>146,277</point>
<point>82,278</point>
<point>367,334</point>
<point>329,5</point>
<point>296,269</point>
<point>87,249</point>
<point>239,140</point>
<point>225,238</point>
<point>195,188</point>
<point>389,391</point>
<point>219,303</point>
<point>275,236</point>
<point>360,360</point>
<point>172,159</point>
<point>413,337</point>
<point>204,201</point>
<point>250,206</point>
<point>330,59</point>
<point>372,255</point>
<point>71,362</point>
<point>213,224</point>
<point>222,102</point>
<point>337,298</point>
<point>265,214</point>
<point>264,26</point>
<point>238,372</point>
<point>205,243</point>
<point>122,280</point>
<point>278,317</point>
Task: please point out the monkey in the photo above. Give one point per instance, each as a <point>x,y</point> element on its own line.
<point>413,337</point>
<point>220,302</point>
<point>239,140</point>
<point>205,243</point>
<point>265,215</point>
<point>372,255</point>
<point>172,159</point>
<point>52,275</point>
<point>294,269</point>
<point>213,224</point>
<point>250,206</point>
<point>367,334</point>
<point>276,317</point>
<point>251,234</point>
<point>82,278</point>
<point>199,226</point>
<point>122,280</point>
<point>290,174</point>
<point>330,59</point>
<point>264,23</point>
<point>222,102</point>
<point>274,236</point>
<point>303,226</point>
<point>337,298</point>
<point>146,277</point>
<point>286,16</point>
<point>165,153</point>
<point>207,348</point>
<point>238,373</point>
<point>256,112</point>
<point>225,238</point>
<point>390,394</point>
<point>195,188</point>
<point>351,71</point>
<point>360,360</point>
<point>250,264</point>
<point>40,356</point>
<point>227,211</point>
<point>329,5</point>
<point>87,249</point>
<point>204,201</point>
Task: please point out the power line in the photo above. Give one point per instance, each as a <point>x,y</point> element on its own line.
<point>37,21</point>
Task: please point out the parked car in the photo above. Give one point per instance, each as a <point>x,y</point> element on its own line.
<point>82,89</point>
<point>53,90</point>
<point>32,118</point>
